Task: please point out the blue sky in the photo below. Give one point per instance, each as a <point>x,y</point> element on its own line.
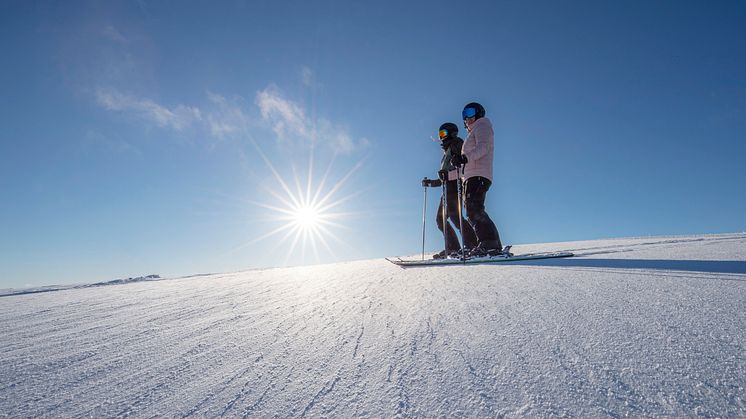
<point>155,137</point>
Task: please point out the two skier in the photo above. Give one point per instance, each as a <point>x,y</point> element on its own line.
<point>474,156</point>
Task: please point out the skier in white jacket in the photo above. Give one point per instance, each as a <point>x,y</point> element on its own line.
<point>476,157</point>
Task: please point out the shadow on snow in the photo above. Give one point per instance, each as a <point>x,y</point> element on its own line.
<point>709,266</point>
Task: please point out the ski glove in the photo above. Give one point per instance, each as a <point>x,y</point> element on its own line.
<point>443,175</point>
<point>458,160</point>
<point>431,183</point>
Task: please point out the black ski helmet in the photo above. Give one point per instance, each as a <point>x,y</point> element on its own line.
<point>477,112</point>
<point>450,128</point>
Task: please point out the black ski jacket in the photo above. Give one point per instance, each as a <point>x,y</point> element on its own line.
<point>451,147</point>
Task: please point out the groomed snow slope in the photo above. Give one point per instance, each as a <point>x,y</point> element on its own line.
<point>640,327</point>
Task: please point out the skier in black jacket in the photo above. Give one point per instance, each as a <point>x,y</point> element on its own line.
<point>451,144</point>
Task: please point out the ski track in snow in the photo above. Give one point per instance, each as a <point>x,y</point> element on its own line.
<point>613,332</point>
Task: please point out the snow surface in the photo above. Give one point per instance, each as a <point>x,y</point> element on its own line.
<point>638,327</point>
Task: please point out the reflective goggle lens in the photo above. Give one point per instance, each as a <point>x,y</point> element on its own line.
<point>469,113</point>
<point>442,134</point>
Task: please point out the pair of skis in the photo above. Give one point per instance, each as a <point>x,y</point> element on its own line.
<point>478,260</point>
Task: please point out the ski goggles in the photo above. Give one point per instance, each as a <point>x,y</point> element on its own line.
<point>469,113</point>
<point>442,134</point>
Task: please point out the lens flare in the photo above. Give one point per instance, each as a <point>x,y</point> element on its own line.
<point>306,212</point>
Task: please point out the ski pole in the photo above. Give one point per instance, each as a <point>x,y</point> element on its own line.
<point>461,217</point>
<point>444,200</point>
<point>424,209</point>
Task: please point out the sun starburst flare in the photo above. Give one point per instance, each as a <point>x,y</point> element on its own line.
<point>307,213</point>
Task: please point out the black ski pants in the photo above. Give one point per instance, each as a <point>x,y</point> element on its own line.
<point>476,191</point>
<point>451,240</point>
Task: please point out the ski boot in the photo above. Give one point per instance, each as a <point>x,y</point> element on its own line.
<point>444,254</point>
<point>485,250</point>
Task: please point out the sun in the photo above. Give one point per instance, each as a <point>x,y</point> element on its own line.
<point>307,217</point>
<point>306,213</point>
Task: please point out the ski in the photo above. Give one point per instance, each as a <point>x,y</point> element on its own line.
<point>476,260</point>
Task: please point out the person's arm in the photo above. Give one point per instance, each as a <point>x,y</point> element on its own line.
<point>455,150</point>
<point>457,157</point>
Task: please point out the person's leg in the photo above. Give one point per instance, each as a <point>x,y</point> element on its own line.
<point>468,235</point>
<point>476,191</point>
<point>451,240</point>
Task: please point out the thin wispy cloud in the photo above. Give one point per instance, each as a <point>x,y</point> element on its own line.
<point>222,117</point>
<point>306,75</point>
<point>287,118</point>
<point>113,34</point>
<point>226,117</point>
<point>177,118</point>
<point>291,124</point>
<point>308,78</point>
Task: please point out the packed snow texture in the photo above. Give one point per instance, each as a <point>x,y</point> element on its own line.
<point>638,327</point>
